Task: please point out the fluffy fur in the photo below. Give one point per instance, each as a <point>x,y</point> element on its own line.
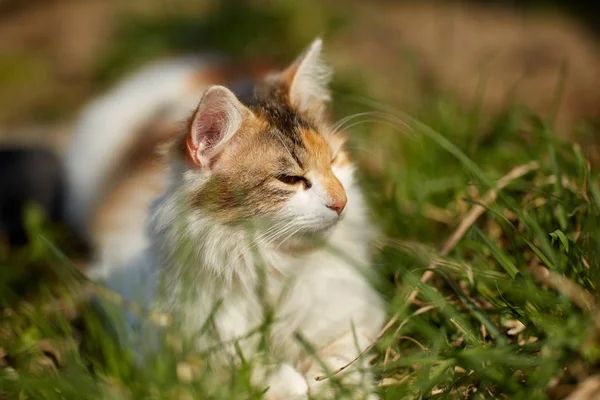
<point>262,213</point>
<point>108,122</point>
<point>103,203</point>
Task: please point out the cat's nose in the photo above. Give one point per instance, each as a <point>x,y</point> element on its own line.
<point>338,205</point>
<point>336,195</point>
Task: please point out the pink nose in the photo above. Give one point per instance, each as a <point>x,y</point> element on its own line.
<point>338,206</point>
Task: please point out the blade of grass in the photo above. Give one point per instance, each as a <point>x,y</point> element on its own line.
<point>502,259</point>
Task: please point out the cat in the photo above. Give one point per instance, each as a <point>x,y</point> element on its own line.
<point>259,211</point>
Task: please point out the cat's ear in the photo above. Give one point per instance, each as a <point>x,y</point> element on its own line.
<point>216,120</point>
<point>307,80</point>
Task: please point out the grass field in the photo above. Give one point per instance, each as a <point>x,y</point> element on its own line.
<point>489,253</point>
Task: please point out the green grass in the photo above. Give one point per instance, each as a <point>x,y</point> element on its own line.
<point>509,309</point>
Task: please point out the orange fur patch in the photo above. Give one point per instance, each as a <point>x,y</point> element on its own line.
<point>320,156</point>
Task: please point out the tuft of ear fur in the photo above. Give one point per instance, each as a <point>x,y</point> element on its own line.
<point>214,123</point>
<point>307,79</point>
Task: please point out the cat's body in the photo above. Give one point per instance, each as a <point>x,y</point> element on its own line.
<point>260,212</point>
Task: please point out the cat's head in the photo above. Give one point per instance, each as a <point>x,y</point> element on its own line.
<point>273,159</point>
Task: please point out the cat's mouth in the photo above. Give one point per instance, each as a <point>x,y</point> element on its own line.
<point>299,230</point>
<point>309,238</point>
<point>324,226</point>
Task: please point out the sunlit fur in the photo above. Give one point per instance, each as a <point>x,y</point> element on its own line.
<point>231,222</point>
<point>106,125</point>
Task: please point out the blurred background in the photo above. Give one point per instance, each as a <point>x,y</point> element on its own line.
<point>55,55</point>
<point>487,87</point>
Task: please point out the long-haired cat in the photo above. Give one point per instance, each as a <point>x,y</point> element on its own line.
<point>260,215</point>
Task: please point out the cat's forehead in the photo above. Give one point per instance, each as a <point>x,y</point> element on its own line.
<point>291,134</point>
<point>301,145</point>
<point>276,113</point>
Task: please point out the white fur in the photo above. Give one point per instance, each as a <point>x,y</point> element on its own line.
<point>282,381</point>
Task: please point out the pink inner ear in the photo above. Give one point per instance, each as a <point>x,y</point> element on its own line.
<point>206,130</point>
<point>193,150</point>
<point>217,119</point>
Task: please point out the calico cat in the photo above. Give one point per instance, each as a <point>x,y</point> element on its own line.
<point>258,214</point>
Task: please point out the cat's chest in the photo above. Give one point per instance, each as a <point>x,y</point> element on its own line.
<point>240,303</point>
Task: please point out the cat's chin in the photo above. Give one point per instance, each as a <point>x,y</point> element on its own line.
<point>311,237</point>
<point>313,234</point>
<point>325,229</point>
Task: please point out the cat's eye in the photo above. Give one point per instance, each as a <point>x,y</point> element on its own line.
<point>290,179</point>
<point>294,180</point>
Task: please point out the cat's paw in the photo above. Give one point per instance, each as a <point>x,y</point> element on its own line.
<point>286,384</point>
